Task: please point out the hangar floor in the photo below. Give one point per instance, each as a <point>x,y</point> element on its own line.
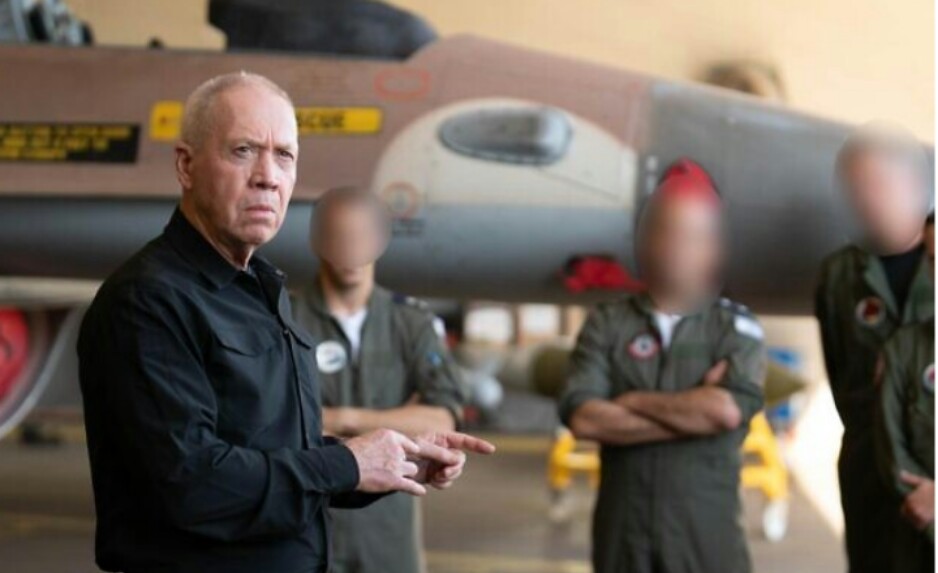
<point>494,522</point>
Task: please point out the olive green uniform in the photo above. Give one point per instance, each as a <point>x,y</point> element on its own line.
<point>905,432</point>
<point>673,506</point>
<point>401,354</point>
<point>857,313</point>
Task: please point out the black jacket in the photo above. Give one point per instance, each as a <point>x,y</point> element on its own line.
<point>203,417</point>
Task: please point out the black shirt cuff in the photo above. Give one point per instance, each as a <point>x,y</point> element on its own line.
<point>335,467</point>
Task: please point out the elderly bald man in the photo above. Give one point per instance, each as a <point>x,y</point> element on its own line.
<point>201,407</point>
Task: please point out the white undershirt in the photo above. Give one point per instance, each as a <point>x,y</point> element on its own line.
<point>666,323</point>
<point>352,327</point>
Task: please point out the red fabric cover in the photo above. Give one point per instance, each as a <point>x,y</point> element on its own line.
<point>598,272</point>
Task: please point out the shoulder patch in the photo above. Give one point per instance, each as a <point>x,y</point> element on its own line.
<point>410,301</point>
<point>748,326</point>
<point>734,307</point>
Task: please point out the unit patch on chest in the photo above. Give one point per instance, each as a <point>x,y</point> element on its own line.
<point>643,346</point>
<point>870,311</point>
<point>331,357</point>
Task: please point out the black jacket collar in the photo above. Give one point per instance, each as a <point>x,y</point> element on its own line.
<point>190,243</point>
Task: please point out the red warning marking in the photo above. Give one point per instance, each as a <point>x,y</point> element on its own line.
<point>14,348</point>
<point>402,84</point>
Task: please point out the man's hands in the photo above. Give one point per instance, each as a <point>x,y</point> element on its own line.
<point>919,506</point>
<point>382,462</point>
<point>390,461</point>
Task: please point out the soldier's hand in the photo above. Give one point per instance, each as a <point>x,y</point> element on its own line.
<point>716,373</point>
<point>383,463</point>
<point>919,506</point>
<point>443,456</point>
<point>334,422</point>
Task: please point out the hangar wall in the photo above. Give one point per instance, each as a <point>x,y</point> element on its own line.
<point>852,60</point>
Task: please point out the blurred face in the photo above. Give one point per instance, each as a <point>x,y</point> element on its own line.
<point>238,181</point>
<point>886,195</point>
<point>681,248</point>
<point>351,239</point>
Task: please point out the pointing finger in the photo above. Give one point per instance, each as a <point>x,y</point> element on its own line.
<point>467,443</point>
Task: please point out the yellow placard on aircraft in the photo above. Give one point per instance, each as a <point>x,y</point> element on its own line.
<point>338,120</point>
<point>69,142</point>
<point>166,120</point>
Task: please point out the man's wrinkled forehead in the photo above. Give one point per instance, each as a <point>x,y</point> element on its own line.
<point>255,113</point>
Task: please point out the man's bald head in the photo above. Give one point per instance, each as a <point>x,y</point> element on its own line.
<point>201,106</point>
<point>236,162</point>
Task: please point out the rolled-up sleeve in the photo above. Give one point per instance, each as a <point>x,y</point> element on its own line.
<point>589,371</point>
<point>162,398</point>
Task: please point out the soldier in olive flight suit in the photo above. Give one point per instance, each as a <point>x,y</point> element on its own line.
<point>667,381</point>
<point>865,292</point>
<point>382,364</point>
<point>905,432</point>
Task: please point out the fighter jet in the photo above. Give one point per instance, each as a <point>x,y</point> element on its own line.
<point>512,175</point>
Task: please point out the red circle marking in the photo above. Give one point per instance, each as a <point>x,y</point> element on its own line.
<point>407,192</point>
<point>402,83</point>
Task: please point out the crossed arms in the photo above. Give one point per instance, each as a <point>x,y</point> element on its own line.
<point>729,393</point>
<point>645,416</point>
<point>435,406</point>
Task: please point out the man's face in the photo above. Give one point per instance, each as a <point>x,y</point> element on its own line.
<point>351,240</point>
<point>886,196</point>
<point>682,251</point>
<point>241,176</point>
